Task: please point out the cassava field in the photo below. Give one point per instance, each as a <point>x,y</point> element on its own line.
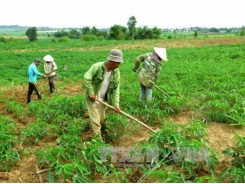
<point>199,121</point>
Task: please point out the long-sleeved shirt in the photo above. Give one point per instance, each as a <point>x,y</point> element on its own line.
<point>49,67</point>
<point>149,72</point>
<point>33,73</point>
<point>93,79</point>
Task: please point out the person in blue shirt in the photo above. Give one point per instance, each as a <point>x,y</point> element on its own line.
<point>32,79</point>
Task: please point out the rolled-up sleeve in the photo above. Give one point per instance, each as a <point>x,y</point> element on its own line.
<point>88,77</point>
<point>139,59</point>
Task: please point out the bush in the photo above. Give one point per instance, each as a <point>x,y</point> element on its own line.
<point>101,38</point>
<point>64,39</point>
<point>2,39</point>
<point>53,41</point>
<point>88,38</point>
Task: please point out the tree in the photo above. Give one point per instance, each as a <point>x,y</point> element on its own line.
<point>32,34</point>
<point>103,34</point>
<point>156,32</point>
<point>214,30</point>
<point>195,34</point>
<point>131,27</point>
<point>86,30</point>
<point>175,32</point>
<point>242,31</point>
<point>61,33</point>
<point>94,31</point>
<point>118,32</point>
<point>74,34</point>
<point>147,33</point>
<point>143,33</point>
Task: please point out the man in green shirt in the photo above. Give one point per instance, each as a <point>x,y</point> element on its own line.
<point>102,81</point>
<point>148,73</point>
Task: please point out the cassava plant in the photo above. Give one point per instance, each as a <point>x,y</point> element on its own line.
<point>8,140</point>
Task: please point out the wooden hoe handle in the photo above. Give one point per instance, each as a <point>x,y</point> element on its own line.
<point>127,115</point>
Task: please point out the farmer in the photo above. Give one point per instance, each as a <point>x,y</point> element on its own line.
<point>148,73</point>
<point>32,79</point>
<point>102,82</point>
<point>49,67</point>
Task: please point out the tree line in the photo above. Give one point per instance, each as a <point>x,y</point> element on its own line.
<point>116,32</point>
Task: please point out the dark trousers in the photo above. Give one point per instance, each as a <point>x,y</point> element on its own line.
<point>33,87</point>
<point>51,84</point>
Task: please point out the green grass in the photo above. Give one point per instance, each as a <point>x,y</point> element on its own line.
<point>207,78</point>
<point>12,33</point>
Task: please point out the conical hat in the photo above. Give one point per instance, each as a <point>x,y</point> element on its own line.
<point>161,52</point>
<point>48,58</point>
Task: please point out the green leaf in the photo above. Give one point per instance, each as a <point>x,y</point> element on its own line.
<point>52,164</point>
<point>59,172</point>
<point>68,169</point>
<point>81,168</point>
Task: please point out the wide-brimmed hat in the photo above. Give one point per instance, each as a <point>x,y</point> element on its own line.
<point>161,52</point>
<point>38,61</point>
<point>48,58</point>
<point>115,55</point>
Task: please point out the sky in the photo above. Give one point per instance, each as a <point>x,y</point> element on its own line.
<point>107,13</point>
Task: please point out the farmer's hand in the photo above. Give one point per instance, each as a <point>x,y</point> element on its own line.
<point>152,84</point>
<point>134,69</point>
<point>44,76</point>
<point>92,97</point>
<point>117,109</point>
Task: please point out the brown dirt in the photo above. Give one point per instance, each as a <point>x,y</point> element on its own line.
<point>219,134</point>
<point>171,43</point>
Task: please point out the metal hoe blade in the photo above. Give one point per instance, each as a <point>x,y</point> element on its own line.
<point>65,67</point>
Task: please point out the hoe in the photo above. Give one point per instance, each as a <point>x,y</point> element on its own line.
<point>160,90</point>
<point>57,76</point>
<point>64,67</point>
<point>127,115</point>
